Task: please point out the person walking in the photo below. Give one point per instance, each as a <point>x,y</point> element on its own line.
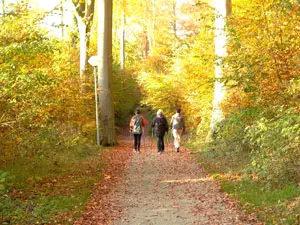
<point>160,125</point>
<point>178,127</point>
<point>137,124</point>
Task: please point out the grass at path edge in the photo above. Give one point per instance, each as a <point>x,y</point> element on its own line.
<point>39,191</point>
<point>270,204</point>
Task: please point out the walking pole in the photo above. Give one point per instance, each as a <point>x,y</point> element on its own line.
<point>129,134</point>
<point>167,140</point>
<point>151,138</point>
<point>144,143</point>
<point>144,138</point>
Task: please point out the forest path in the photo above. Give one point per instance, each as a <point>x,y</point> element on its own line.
<point>148,188</point>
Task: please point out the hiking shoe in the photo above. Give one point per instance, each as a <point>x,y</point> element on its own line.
<point>177,149</point>
<point>134,150</point>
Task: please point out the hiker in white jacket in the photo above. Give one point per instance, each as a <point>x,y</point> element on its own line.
<point>177,125</point>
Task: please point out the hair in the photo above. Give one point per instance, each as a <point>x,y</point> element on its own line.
<point>137,111</point>
<point>178,110</point>
<point>159,112</point>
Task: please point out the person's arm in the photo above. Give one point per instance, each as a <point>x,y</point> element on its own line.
<point>144,121</point>
<point>171,123</point>
<point>153,122</point>
<point>131,125</point>
<point>167,125</point>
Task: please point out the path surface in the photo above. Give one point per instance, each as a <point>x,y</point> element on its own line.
<point>148,188</point>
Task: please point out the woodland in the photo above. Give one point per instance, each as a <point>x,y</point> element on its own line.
<point>241,103</point>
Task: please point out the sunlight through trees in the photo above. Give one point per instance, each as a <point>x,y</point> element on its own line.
<point>232,66</point>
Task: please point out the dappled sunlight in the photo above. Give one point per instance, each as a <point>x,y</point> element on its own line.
<point>188,180</point>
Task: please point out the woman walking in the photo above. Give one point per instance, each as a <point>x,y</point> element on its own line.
<point>177,125</point>
<point>160,125</point>
<point>137,124</point>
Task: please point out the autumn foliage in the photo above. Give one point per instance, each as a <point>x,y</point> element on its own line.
<point>262,78</point>
<point>47,123</point>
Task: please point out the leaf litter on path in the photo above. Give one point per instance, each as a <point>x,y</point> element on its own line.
<point>148,188</point>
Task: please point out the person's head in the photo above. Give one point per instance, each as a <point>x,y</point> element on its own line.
<point>137,111</point>
<point>178,110</point>
<point>159,112</point>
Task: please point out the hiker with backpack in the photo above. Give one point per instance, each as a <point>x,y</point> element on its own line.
<point>160,125</point>
<point>137,124</point>
<point>178,127</point>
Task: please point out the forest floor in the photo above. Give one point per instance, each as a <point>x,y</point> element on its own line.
<point>150,188</point>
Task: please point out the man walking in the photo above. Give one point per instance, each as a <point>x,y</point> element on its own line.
<point>137,124</point>
<point>160,125</point>
<point>177,125</point>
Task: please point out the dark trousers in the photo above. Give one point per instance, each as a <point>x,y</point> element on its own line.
<point>137,141</point>
<point>160,144</point>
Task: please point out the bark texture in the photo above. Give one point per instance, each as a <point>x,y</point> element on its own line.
<point>107,124</point>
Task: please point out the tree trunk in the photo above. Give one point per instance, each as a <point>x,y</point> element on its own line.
<point>107,131</point>
<point>3,8</point>
<point>62,24</point>
<point>152,26</point>
<point>83,52</point>
<point>222,9</point>
<point>122,38</point>
<point>174,19</point>
<point>145,43</point>
<point>84,13</point>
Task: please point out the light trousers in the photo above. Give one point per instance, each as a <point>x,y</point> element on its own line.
<point>177,135</point>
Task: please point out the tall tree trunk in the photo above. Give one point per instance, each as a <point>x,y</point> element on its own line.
<point>84,13</point>
<point>62,24</point>
<point>152,26</point>
<point>222,9</point>
<point>122,36</point>
<point>83,52</point>
<point>146,30</point>
<point>174,18</point>
<point>107,131</point>
<point>3,8</point>
<point>145,42</point>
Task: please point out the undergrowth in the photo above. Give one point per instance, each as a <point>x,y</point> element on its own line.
<point>50,190</point>
<point>272,204</point>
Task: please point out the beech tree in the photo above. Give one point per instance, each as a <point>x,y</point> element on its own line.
<point>3,7</point>
<point>122,35</point>
<point>107,131</point>
<point>222,9</point>
<point>84,13</point>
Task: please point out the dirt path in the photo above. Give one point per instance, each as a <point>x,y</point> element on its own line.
<point>148,188</point>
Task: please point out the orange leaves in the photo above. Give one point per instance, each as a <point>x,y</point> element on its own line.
<point>236,100</point>
<point>103,207</point>
<point>19,139</point>
<point>262,59</point>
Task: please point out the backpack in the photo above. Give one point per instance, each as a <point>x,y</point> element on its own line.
<point>177,122</point>
<point>160,123</point>
<point>137,125</point>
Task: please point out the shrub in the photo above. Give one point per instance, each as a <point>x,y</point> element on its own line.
<point>276,146</point>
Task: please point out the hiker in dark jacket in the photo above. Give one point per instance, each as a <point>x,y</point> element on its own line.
<point>160,125</point>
